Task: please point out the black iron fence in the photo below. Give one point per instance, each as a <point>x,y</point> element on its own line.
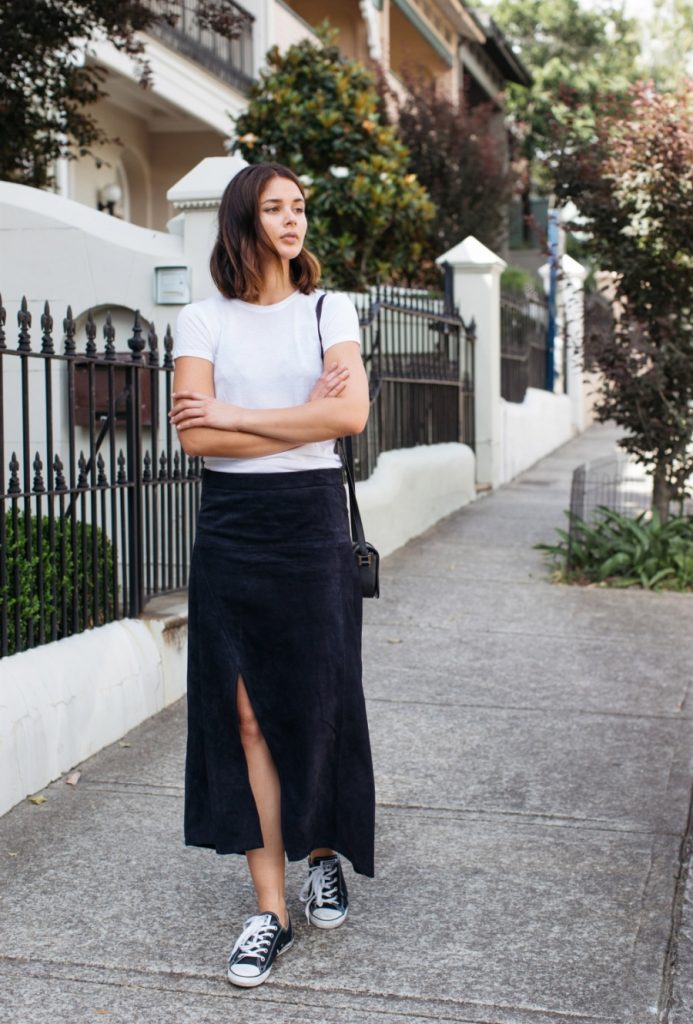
<point>98,501</point>
<point>230,59</point>
<point>524,328</point>
<point>419,354</point>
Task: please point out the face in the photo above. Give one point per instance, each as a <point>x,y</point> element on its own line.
<point>283,216</point>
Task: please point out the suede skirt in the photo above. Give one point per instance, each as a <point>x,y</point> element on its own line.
<point>274,597</point>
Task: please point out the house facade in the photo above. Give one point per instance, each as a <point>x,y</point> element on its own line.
<point>201,80</point>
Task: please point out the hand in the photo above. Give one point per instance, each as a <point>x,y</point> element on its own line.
<point>330,383</point>
<point>194,409</point>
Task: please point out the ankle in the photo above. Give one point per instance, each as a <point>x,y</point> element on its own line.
<point>322,852</point>
<point>277,907</point>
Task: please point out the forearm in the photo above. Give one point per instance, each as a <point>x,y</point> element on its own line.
<point>231,444</point>
<point>320,420</point>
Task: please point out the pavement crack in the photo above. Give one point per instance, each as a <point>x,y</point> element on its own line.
<point>666,994</point>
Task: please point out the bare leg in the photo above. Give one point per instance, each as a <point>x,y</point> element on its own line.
<point>266,863</point>
<point>322,852</point>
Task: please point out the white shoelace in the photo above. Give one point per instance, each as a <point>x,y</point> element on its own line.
<point>256,937</point>
<point>321,886</point>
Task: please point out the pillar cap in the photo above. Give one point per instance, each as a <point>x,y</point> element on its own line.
<point>203,186</point>
<point>472,254</point>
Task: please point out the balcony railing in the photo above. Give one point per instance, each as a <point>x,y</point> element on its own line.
<point>228,59</point>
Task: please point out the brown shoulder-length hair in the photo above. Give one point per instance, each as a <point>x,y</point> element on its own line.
<point>242,247</point>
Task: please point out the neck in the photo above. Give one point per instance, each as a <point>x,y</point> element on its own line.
<point>276,283</point>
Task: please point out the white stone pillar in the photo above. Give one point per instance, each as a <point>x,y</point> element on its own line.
<point>570,332</point>
<point>477,273</point>
<point>573,275</point>
<point>197,196</point>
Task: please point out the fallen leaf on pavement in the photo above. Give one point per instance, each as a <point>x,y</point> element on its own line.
<point>123,743</point>
<point>73,778</point>
<point>394,640</point>
<point>37,799</point>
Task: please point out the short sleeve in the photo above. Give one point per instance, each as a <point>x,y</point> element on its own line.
<point>339,320</point>
<point>194,334</point>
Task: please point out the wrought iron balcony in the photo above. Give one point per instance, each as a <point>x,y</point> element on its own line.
<point>228,59</point>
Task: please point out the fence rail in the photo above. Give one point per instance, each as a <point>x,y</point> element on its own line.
<point>524,328</point>
<point>98,501</point>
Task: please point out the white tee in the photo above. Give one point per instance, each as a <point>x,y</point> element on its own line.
<point>267,357</point>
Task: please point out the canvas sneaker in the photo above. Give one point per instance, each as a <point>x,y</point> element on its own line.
<point>325,893</point>
<point>261,941</point>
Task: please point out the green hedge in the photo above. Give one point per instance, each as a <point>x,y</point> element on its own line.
<point>65,569</point>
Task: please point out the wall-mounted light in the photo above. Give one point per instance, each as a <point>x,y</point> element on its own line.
<point>171,286</point>
<point>108,197</point>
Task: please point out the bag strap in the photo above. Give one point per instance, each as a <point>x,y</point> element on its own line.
<point>318,311</point>
<point>345,449</point>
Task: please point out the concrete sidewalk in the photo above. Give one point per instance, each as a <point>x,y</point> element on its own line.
<point>533,758</point>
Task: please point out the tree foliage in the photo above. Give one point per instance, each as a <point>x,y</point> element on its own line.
<point>48,78</point>
<point>318,113</point>
<point>575,53</point>
<point>459,155</point>
<point>633,187</point>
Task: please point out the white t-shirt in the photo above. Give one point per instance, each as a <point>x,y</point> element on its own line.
<point>267,357</point>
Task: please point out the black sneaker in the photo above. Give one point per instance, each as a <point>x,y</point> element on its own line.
<point>261,940</point>
<point>325,893</point>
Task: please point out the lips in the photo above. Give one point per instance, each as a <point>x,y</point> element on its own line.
<point>289,238</point>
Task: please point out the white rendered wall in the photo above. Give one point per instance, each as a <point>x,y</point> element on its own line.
<point>62,702</point>
<point>532,429</point>
<point>411,489</point>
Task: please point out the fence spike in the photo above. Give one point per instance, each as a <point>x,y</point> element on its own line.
<point>47,329</point>
<point>121,478</point>
<point>90,330</point>
<point>60,484</point>
<point>39,486</point>
<point>109,336</point>
<point>14,487</point>
<point>147,471</point>
<point>24,321</point>
<point>168,348</point>
<point>101,480</point>
<point>136,342</point>
<point>163,468</point>
<point>3,321</point>
<point>69,326</point>
<point>82,476</point>
<point>153,343</point>
<point>176,465</point>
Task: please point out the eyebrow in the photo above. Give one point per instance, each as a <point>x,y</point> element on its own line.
<point>298,199</point>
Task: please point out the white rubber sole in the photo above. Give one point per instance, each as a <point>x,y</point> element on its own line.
<point>329,924</point>
<point>260,979</point>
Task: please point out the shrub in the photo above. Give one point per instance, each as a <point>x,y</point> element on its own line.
<point>317,112</point>
<point>66,574</point>
<point>617,551</point>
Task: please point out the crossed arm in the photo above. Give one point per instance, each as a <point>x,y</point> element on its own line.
<point>338,405</point>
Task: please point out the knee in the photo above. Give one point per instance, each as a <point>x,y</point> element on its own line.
<point>249,728</point>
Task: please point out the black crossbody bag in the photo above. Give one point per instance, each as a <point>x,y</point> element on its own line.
<point>367,558</point>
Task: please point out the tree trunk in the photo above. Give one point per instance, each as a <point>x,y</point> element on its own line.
<point>661,492</point>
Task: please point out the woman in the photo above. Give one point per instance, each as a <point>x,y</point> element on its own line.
<point>278,758</point>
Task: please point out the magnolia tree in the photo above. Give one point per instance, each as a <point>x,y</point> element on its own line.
<point>633,187</point>
<point>318,113</point>
<point>49,80</point>
<point>459,154</point>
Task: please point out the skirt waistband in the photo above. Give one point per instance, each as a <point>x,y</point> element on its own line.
<point>230,482</point>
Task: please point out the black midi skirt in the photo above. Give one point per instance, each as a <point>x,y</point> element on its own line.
<point>274,597</point>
